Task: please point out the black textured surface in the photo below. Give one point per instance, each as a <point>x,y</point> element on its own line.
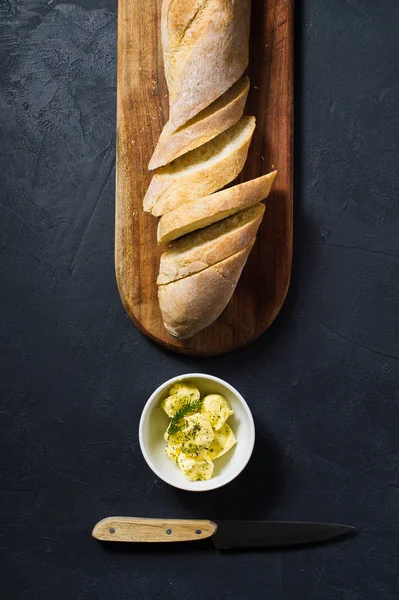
<point>322,383</point>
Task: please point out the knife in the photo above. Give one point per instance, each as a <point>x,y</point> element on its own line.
<point>225,535</point>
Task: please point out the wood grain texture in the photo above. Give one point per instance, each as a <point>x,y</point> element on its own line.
<point>142,110</point>
<point>131,529</point>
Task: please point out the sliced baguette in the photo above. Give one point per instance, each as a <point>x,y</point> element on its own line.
<point>191,304</point>
<point>202,249</point>
<point>213,208</point>
<point>205,48</point>
<point>201,171</point>
<point>216,118</point>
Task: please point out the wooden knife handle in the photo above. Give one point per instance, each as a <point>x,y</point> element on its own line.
<point>130,529</point>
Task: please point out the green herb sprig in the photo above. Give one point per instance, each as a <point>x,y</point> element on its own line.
<point>188,408</point>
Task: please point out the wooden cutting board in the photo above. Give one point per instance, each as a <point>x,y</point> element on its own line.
<point>142,110</point>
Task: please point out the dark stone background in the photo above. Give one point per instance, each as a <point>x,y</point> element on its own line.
<point>75,373</point>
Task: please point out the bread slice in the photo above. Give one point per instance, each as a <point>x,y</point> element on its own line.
<point>201,171</point>
<point>213,208</point>
<point>205,48</point>
<point>191,304</point>
<point>216,118</point>
<point>204,248</point>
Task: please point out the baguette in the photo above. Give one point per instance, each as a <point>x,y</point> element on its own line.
<point>191,304</point>
<point>216,118</point>
<point>204,248</point>
<point>201,171</point>
<point>213,208</point>
<point>205,49</point>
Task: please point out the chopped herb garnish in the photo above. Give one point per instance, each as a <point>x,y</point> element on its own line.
<point>189,407</point>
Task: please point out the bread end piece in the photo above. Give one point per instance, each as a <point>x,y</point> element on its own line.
<point>191,304</point>
<point>205,47</point>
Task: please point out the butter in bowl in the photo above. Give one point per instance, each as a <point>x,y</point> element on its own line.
<point>196,432</point>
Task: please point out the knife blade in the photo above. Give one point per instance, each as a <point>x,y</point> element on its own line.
<point>224,534</point>
<point>273,534</point>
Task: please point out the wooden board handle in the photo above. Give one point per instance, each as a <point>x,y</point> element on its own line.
<point>130,529</point>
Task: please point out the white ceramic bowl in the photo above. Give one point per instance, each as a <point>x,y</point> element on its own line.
<point>154,422</point>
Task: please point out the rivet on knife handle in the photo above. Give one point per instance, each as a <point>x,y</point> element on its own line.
<point>130,529</point>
